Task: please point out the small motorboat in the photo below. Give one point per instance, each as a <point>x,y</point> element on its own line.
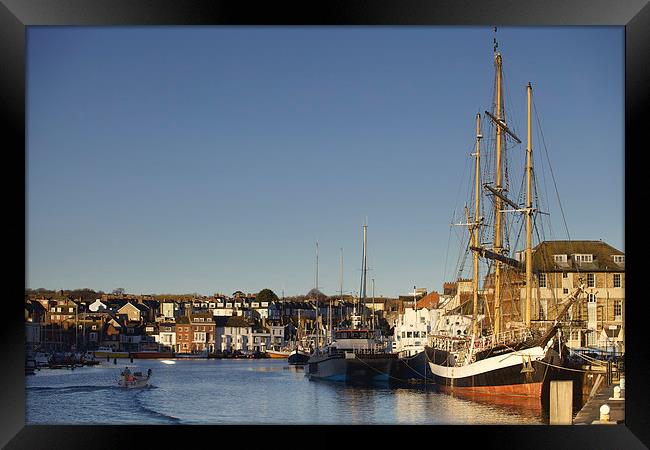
<point>131,380</point>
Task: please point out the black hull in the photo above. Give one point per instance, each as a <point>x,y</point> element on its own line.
<point>511,380</point>
<point>412,369</point>
<point>298,359</point>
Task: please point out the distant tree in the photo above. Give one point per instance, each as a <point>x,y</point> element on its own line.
<point>316,294</point>
<point>118,291</point>
<point>266,295</point>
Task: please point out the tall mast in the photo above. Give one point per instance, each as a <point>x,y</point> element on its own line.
<point>362,290</point>
<point>497,199</point>
<point>529,215</point>
<point>316,287</point>
<point>318,339</point>
<point>475,226</point>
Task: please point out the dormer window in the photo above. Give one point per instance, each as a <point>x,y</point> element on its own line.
<point>560,258</point>
<point>619,259</point>
<point>583,258</point>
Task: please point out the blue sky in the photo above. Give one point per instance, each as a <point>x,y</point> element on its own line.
<point>211,159</point>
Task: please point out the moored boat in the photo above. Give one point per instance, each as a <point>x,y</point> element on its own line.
<point>501,358</point>
<point>278,354</point>
<point>103,352</point>
<point>356,354</point>
<point>298,357</point>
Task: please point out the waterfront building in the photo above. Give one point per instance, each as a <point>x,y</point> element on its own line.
<point>167,335</point>
<point>560,266</point>
<point>232,333</point>
<point>203,330</point>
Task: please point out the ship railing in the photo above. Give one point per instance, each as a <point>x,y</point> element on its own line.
<point>508,337</point>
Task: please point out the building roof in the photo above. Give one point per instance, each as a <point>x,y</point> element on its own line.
<point>429,301</point>
<point>237,321</point>
<point>543,257</point>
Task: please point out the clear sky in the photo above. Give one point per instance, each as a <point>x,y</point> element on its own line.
<point>211,159</point>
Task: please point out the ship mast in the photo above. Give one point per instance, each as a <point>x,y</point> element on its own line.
<point>529,215</point>
<point>498,198</point>
<point>475,226</point>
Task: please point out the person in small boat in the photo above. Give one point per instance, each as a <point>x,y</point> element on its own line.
<point>127,374</point>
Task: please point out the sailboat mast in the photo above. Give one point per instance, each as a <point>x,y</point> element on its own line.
<point>497,200</point>
<point>362,289</point>
<point>529,215</point>
<point>475,226</point>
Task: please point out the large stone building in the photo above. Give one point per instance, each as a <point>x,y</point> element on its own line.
<point>560,266</point>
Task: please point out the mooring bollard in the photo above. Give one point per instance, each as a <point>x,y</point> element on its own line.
<point>114,360</point>
<point>622,383</point>
<point>617,394</point>
<point>604,413</point>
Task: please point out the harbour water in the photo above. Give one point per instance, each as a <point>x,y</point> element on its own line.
<point>242,391</point>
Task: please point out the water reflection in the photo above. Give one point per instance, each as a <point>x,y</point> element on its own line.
<point>249,392</point>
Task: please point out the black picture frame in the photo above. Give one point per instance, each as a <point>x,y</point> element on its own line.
<point>16,15</point>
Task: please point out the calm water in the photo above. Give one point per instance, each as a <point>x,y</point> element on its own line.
<point>232,392</point>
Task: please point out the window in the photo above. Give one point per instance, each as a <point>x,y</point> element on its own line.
<point>403,333</point>
<point>542,280</point>
<point>409,334</point>
<point>618,259</point>
<point>591,280</point>
<point>591,298</point>
<point>617,280</point>
<point>618,310</point>
<point>583,258</point>
<point>565,275</point>
<point>560,258</point>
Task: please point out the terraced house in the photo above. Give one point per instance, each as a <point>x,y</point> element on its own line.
<point>597,321</point>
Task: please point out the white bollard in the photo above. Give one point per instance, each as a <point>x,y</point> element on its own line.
<point>622,383</point>
<point>604,413</point>
<point>617,392</point>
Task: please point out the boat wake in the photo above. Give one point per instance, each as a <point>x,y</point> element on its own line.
<point>152,412</point>
<point>70,389</point>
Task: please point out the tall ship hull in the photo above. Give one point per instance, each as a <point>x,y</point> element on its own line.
<point>503,374</point>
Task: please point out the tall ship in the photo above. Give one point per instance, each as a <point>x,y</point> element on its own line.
<point>356,353</point>
<point>501,352</point>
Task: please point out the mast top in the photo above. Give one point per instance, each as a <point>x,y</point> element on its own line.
<point>496,44</point>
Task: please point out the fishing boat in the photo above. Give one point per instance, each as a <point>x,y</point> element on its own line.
<point>298,357</point>
<point>409,340</point>
<point>501,354</point>
<point>356,354</point>
<point>300,354</point>
<point>133,380</point>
